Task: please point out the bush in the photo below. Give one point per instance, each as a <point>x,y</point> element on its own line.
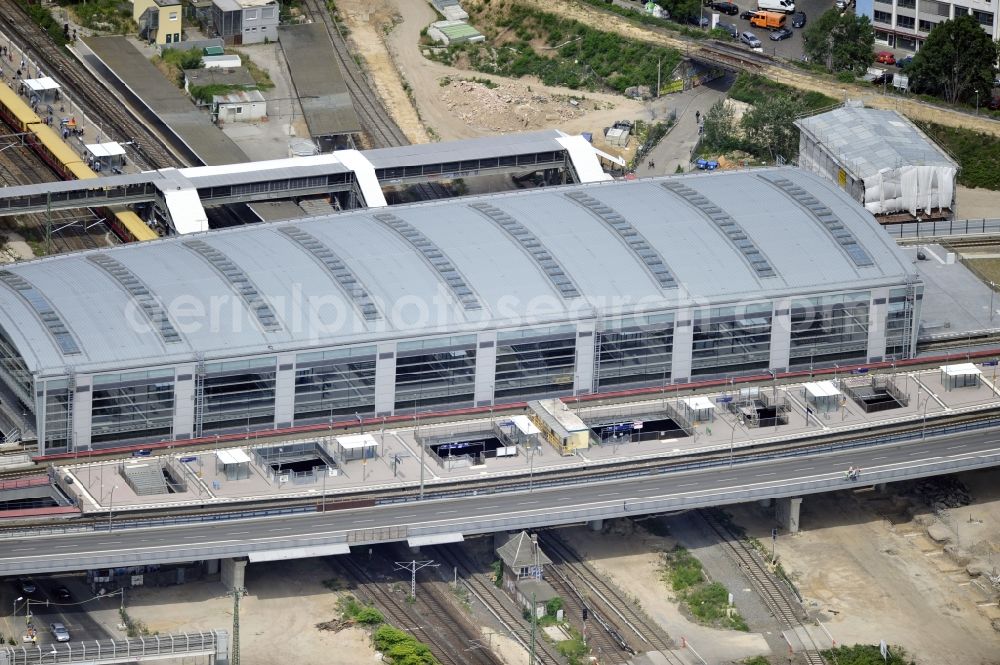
<point>684,570</point>
<point>402,648</point>
<point>978,154</point>
<point>553,606</point>
<point>866,654</point>
<point>581,56</point>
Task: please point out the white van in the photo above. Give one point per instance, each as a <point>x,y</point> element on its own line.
<point>786,6</point>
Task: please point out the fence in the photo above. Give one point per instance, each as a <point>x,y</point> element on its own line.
<point>942,229</point>
<point>121,649</point>
<point>882,387</point>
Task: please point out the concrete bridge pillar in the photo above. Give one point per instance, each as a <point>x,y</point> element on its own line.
<point>788,513</point>
<point>596,525</point>
<point>212,567</point>
<point>234,573</point>
<point>764,503</point>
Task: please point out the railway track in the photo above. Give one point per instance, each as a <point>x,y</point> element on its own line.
<point>88,93</point>
<point>770,589</point>
<point>603,639</point>
<point>497,604</point>
<point>427,618</point>
<point>375,120</point>
<point>72,232</point>
<point>633,623</point>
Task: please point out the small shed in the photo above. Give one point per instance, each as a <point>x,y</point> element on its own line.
<point>534,595</point>
<point>562,428</point>
<point>357,446</point>
<point>450,9</point>
<point>221,61</point>
<point>105,156</point>
<point>233,463</point>
<point>963,375</point>
<point>454,32</point>
<point>698,409</point>
<point>523,572</point>
<point>239,106</point>
<point>823,396</point>
<point>42,90</point>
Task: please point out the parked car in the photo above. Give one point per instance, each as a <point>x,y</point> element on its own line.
<point>59,631</point>
<point>994,104</point>
<point>27,587</point>
<point>799,20</point>
<point>784,6</point>
<point>730,28</point>
<point>780,33</point>
<point>142,452</point>
<point>699,21</point>
<point>885,78</point>
<point>750,40</point>
<point>903,63</point>
<point>885,58</point>
<point>62,594</point>
<point>747,15</point>
<point>726,8</point>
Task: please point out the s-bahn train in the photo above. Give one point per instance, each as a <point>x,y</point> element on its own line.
<point>63,160</point>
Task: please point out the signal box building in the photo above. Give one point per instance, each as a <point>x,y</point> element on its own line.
<point>465,302</point>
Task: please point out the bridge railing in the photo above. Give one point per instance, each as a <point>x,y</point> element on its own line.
<point>118,650</point>
<point>943,229</point>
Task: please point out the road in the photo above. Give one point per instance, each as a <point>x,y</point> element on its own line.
<point>486,513</point>
<point>73,613</point>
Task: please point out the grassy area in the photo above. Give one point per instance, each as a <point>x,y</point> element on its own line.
<point>753,88</point>
<point>402,648</point>
<point>987,270</point>
<point>172,62</point>
<point>707,601</point>
<point>523,41</point>
<point>366,615</point>
<point>43,17</point>
<point>978,154</point>
<point>573,649</point>
<point>104,15</point>
<point>260,75</point>
<point>866,654</point>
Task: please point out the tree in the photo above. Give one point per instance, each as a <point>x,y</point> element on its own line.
<point>843,42</point>
<point>681,9</point>
<point>769,126</point>
<point>957,59</point>
<point>720,127</point>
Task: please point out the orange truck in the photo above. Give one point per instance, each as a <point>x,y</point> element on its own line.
<point>768,20</point>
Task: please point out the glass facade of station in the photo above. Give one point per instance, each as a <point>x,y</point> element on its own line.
<point>333,384</point>
<point>136,406</point>
<point>238,395</point>
<point>416,375</point>
<point>635,351</point>
<point>435,372</point>
<point>735,338</point>
<point>828,329</point>
<point>534,363</point>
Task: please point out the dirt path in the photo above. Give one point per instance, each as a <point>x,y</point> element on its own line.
<point>871,580</point>
<point>514,105</point>
<point>911,108</point>
<point>369,21</point>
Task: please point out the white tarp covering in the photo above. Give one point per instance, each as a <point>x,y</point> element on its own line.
<point>910,188</point>
<point>585,161</point>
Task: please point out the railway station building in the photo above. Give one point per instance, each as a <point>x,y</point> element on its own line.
<point>475,301</point>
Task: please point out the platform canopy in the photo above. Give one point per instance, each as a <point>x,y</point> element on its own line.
<point>961,369</point>
<point>821,389</point>
<point>41,84</point>
<point>524,425</point>
<point>110,149</point>
<point>357,441</point>
<point>233,456</point>
<point>699,403</point>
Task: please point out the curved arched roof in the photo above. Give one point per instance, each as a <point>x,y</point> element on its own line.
<point>529,257</point>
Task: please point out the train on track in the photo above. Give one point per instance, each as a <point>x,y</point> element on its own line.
<point>47,143</point>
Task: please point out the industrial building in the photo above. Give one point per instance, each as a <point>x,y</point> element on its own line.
<point>463,302</point>
<point>882,160</point>
<point>905,24</point>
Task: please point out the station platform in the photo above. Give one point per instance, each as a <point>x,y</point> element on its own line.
<point>920,396</point>
<point>319,85</point>
<point>357,177</point>
<point>127,69</point>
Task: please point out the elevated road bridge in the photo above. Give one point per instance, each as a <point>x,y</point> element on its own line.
<point>211,644</point>
<point>914,454</point>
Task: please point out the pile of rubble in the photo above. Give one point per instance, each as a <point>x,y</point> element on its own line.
<point>508,106</point>
<point>941,493</point>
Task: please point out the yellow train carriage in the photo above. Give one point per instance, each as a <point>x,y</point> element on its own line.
<point>15,111</point>
<point>130,228</point>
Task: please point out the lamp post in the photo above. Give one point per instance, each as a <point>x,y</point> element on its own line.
<point>111,506</point>
<point>977,101</point>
